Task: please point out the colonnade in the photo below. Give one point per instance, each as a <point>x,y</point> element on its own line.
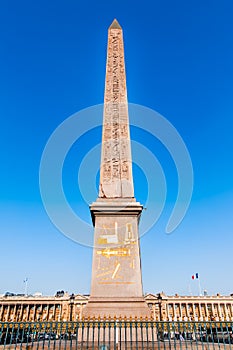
<point>31,312</point>
<point>70,308</point>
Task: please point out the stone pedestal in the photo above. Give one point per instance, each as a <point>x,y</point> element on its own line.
<point>116,287</point>
<point>117,308</point>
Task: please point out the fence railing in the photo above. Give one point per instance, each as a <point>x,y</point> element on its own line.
<point>116,335</point>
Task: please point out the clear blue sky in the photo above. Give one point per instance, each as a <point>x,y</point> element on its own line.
<point>179,58</point>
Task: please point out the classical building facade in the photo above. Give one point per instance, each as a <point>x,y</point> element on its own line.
<point>190,308</point>
<point>42,308</point>
<point>72,307</point>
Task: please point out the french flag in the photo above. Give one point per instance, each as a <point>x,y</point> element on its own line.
<point>195,277</point>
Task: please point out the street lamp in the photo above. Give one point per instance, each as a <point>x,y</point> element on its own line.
<point>72,297</point>
<point>160,306</point>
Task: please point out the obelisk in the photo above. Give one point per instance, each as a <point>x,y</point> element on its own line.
<point>116,286</point>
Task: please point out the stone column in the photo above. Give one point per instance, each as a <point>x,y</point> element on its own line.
<point>8,313</point>
<point>195,311</point>
<point>231,306</point>
<point>186,311</point>
<point>14,313</point>
<point>219,311</point>
<point>21,313</point>
<point>226,311</point>
<point>200,311</point>
<point>180,310</point>
<point>213,309</point>
<point>54,312</point>
<point>34,312</point>
<point>206,311</point>
<point>28,309</point>
<point>59,312</point>
<point>47,314</point>
<point>43,312</point>
<point>1,312</point>
<point>174,311</point>
<point>191,311</point>
<point>81,311</point>
<point>167,311</point>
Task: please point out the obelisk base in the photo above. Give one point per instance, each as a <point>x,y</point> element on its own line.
<point>116,308</point>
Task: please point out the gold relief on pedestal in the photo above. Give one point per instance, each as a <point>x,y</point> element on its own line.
<point>109,252</point>
<point>114,263</point>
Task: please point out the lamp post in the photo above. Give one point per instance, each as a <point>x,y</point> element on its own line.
<point>72,297</point>
<point>160,306</point>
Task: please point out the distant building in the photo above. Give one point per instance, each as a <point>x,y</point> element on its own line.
<point>71,307</point>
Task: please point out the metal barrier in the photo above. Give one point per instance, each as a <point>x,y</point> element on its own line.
<point>116,335</point>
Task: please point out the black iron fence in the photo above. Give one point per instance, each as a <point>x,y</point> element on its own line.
<point>116,334</point>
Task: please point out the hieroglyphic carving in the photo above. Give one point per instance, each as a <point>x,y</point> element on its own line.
<point>107,171</point>
<point>116,163</point>
<point>125,170</point>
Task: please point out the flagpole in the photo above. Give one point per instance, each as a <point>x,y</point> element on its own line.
<point>199,285</point>
<point>196,276</point>
<point>26,286</point>
<point>190,290</point>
